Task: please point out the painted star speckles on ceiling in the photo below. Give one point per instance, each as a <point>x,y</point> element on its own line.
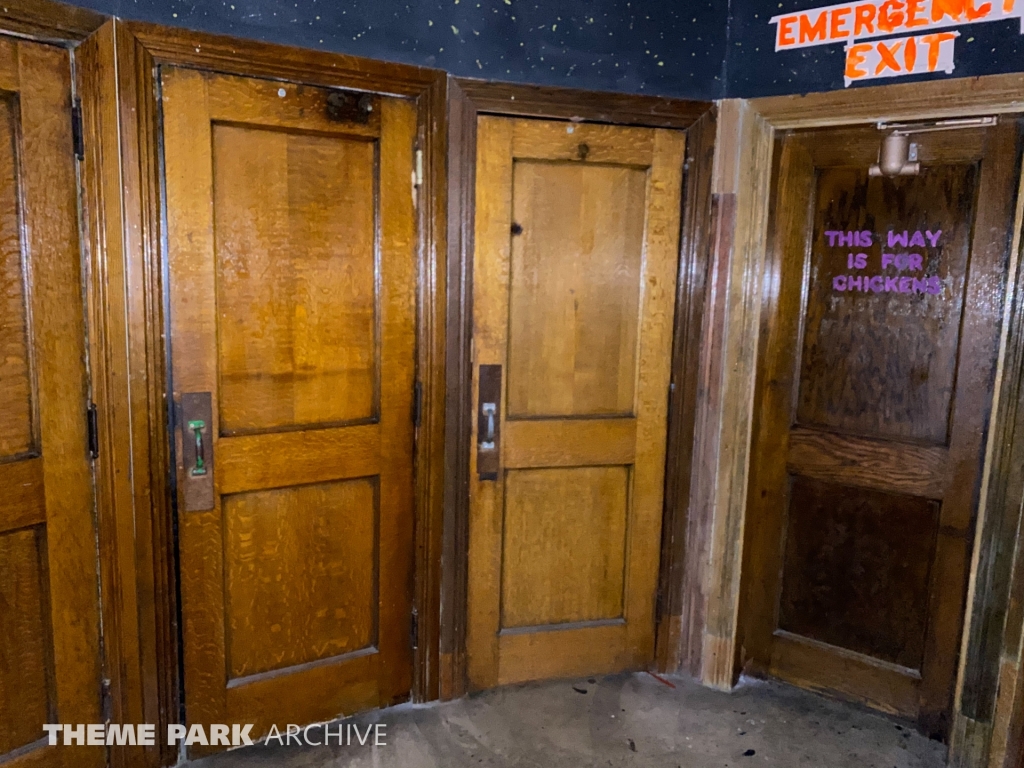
<point>641,46</point>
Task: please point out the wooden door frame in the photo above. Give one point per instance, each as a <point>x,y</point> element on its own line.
<point>468,99</point>
<point>121,178</point>
<point>46,21</point>
<point>742,188</point>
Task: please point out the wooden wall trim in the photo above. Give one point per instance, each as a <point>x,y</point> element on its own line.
<point>252,58</point>
<point>959,97</point>
<point>431,363</point>
<point>461,174</point>
<point>676,645</point>
<point>48,20</point>
<point>989,682</point>
<point>727,369</point>
<point>570,104</point>
<point>120,205</point>
<point>467,99</point>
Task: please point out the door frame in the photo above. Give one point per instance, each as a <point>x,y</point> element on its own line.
<point>122,209</point>
<point>722,454</point>
<point>467,100</point>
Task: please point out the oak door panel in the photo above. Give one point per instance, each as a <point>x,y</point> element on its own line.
<point>575,259</point>
<point>301,574</point>
<point>875,381</point>
<point>292,304</point>
<point>575,289</point>
<point>295,288</point>
<point>563,563</point>
<point>49,587</point>
<point>17,422</point>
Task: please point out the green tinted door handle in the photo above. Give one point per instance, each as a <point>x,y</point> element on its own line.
<point>197,426</point>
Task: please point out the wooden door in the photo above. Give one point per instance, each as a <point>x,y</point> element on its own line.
<point>49,589</point>
<point>291,239</point>
<point>573,283</point>
<point>877,360</point>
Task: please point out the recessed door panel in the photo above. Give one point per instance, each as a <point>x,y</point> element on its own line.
<point>575,288</point>
<point>27,670</point>
<point>850,577</point>
<point>881,362</point>
<point>49,587</point>
<point>16,422</point>
<point>295,243</point>
<point>563,563</point>
<point>291,260</point>
<point>875,383</point>
<point>574,278</point>
<point>302,574</point>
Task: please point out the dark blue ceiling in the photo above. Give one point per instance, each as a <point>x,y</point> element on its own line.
<point>641,46</point>
<point>704,49</point>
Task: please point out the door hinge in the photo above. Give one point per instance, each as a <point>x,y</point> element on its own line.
<point>93,427</point>
<point>417,403</point>
<point>418,172</point>
<point>414,630</point>
<point>77,133</point>
<point>417,178</point>
<point>106,705</point>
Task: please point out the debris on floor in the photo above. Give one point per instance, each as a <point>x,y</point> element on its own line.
<point>622,720</point>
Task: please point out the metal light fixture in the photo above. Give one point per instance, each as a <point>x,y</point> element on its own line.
<point>898,155</point>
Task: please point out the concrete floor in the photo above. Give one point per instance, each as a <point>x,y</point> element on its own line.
<point>622,720</point>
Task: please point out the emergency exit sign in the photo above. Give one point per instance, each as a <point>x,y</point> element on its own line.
<point>890,38</point>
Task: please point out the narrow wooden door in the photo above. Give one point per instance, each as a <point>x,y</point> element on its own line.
<point>573,281</point>
<point>885,298</point>
<point>291,241</point>
<point>49,588</point>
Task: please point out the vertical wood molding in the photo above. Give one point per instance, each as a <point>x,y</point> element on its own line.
<point>431,363</point>
<point>728,365</point>
<point>126,325</point>
<point>695,248</point>
<point>987,679</point>
<point>461,180</point>
<point>1000,521</point>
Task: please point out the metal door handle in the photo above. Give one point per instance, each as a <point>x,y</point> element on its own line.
<point>197,425</point>
<point>198,447</point>
<point>488,424</point>
<point>488,410</point>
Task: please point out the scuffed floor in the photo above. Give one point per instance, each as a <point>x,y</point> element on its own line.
<point>622,720</point>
